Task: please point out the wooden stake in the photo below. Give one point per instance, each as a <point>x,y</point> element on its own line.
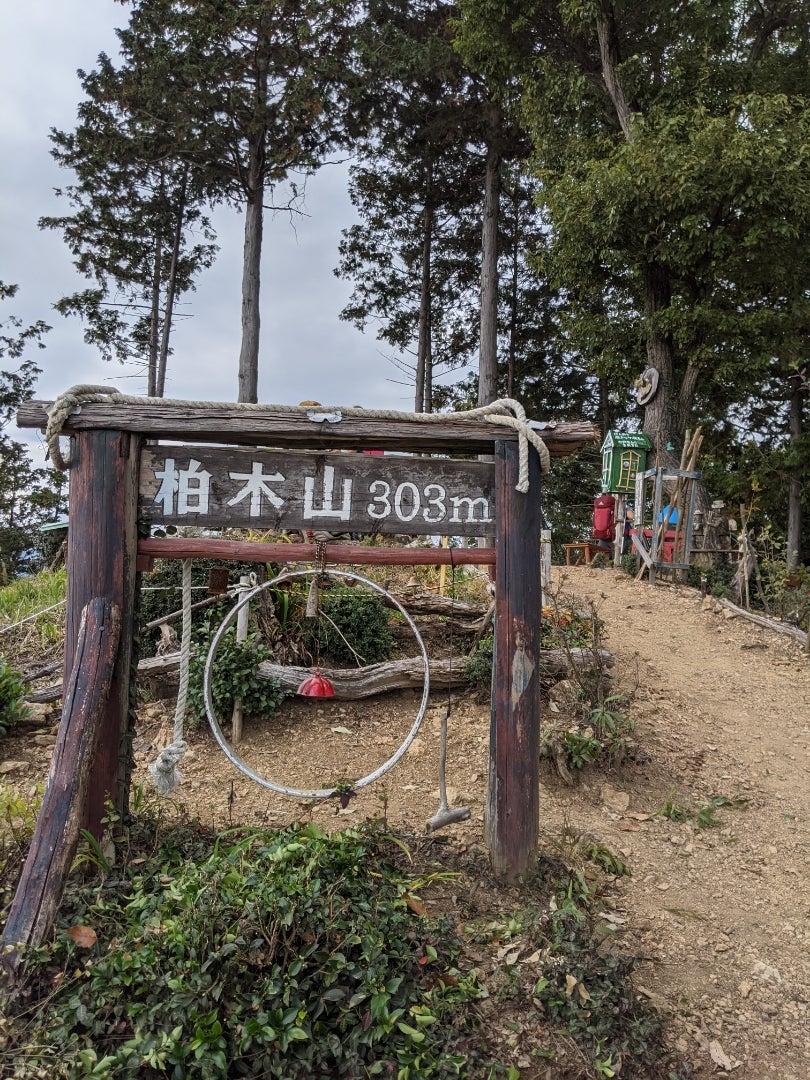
<point>57,830</point>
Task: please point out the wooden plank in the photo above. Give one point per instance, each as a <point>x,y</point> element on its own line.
<point>102,540</point>
<point>268,426</point>
<point>188,547</point>
<point>341,492</point>
<point>57,830</point>
<point>512,816</point>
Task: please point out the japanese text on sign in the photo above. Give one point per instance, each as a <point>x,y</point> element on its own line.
<point>352,492</point>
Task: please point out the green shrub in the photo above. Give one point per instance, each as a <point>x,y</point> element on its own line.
<point>352,628</point>
<point>293,955</point>
<point>235,674</point>
<point>12,704</point>
<point>161,593</point>
<point>479,665</point>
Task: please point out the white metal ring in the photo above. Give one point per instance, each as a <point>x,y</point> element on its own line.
<point>233,757</point>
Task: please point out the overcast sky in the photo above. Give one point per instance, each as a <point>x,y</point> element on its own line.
<point>306,351</point>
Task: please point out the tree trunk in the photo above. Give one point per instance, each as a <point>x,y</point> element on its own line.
<point>795,427</point>
<point>513,294</point>
<point>659,418</point>
<point>151,380</point>
<point>251,274</point>
<point>610,58</point>
<point>488,353</point>
<point>424,360</point>
<point>605,414</point>
<point>171,290</point>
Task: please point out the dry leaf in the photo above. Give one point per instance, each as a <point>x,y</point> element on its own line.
<point>415,904</point>
<point>719,1056</point>
<point>340,730</point>
<point>583,993</point>
<point>512,958</point>
<point>570,983</point>
<point>84,936</point>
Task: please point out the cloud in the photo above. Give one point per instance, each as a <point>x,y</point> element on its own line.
<point>306,352</point>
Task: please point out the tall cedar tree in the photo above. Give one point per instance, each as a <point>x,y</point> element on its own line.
<point>440,133</point>
<point>247,92</point>
<point>672,143</point>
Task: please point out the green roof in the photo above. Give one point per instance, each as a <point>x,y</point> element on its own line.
<point>627,440</point>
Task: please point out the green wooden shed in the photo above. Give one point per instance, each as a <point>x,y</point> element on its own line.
<point>624,454</point>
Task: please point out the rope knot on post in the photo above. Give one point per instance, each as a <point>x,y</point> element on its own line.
<point>61,410</point>
<point>164,772</point>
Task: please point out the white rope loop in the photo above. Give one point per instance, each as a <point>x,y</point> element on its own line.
<point>75,397</point>
<point>164,772</point>
<point>506,412</point>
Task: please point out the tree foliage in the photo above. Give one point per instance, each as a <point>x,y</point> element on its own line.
<point>29,496</point>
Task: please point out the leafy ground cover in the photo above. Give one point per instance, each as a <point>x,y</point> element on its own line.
<point>303,954</point>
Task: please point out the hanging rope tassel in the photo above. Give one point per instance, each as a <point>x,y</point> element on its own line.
<point>164,772</point>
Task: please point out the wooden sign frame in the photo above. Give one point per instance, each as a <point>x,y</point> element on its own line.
<point>110,466</point>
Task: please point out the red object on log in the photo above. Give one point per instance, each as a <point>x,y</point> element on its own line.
<point>317,686</point>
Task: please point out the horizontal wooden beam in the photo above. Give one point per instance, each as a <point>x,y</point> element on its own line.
<point>266,426</point>
<point>344,554</point>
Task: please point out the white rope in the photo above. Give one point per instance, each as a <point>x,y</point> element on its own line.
<point>28,618</point>
<point>506,412</point>
<point>164,771</point>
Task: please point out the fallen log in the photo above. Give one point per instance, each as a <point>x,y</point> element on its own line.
<point>770,624</point>
<point>351,684</point>
<point>355,683</point>
<point>46,695</point>
<point>430,604</point>
<point>57,829</point>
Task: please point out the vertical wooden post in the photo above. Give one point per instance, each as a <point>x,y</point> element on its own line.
<point>512,822</point>
<point>53,845</point>
<point>618,538</point>
<point>102,549</point>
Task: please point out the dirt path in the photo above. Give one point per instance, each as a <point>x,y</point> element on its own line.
<point>722,708</point>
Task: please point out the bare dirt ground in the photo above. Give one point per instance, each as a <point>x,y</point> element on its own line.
<point>722,708</point>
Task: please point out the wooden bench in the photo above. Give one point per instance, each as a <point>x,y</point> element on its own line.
<point>583,549</point>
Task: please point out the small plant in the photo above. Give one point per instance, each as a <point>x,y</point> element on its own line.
<point>12,703</point>
<point>18,814</point>
<point>235,674</point>
<point>479,666</point>
<point>701,817</point>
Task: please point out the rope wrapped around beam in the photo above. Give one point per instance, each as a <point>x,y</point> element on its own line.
<point>506,412</point>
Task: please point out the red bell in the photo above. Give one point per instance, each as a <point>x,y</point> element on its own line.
<point>316,685</point>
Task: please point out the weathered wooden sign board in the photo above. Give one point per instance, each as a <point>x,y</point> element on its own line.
<point>337,492</point>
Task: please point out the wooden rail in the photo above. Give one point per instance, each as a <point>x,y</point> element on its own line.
<point>343,554</point>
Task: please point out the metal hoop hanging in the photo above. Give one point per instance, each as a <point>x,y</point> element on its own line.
<point>318,793</point>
